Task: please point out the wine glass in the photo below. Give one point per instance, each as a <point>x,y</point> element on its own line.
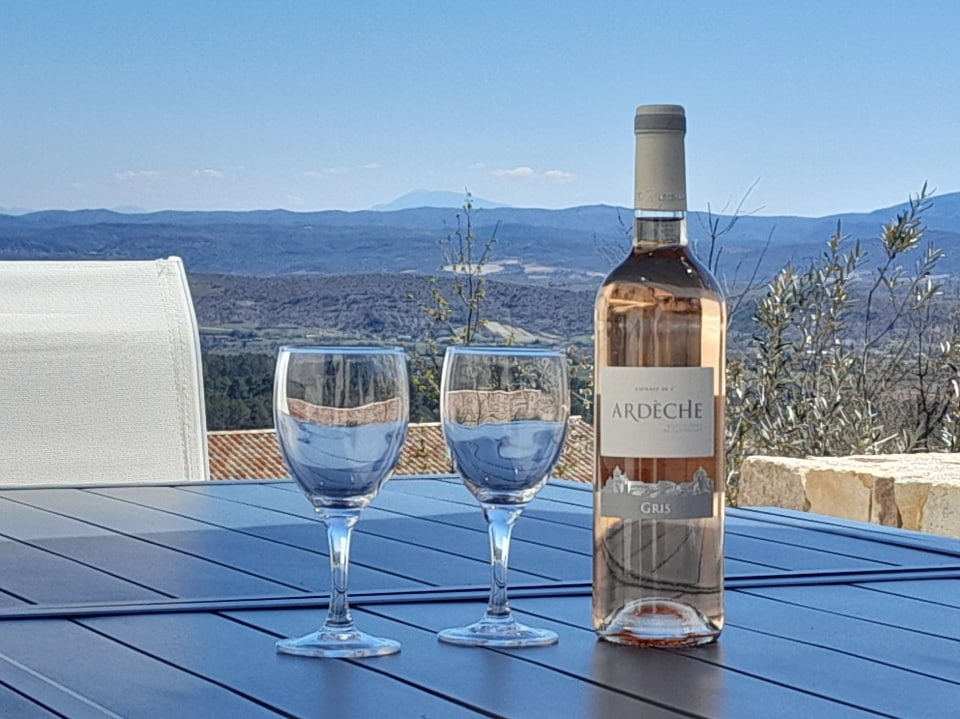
<point>341,418</point>
<point>504,413</point>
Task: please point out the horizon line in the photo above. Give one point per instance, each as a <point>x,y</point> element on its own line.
<point>137,211</point>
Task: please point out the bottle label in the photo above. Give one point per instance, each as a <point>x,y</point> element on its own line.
<point>662,412</point>
<point>626,498</point>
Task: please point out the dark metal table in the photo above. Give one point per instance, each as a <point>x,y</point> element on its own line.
<point>165,601</point>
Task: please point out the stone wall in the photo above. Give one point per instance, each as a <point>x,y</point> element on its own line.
<point>912,491</point>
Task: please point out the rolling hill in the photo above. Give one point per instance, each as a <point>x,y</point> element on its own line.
<point>570,247</point>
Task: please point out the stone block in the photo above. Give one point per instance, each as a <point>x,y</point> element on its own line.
<point>912,491</point>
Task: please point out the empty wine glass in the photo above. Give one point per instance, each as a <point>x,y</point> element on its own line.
<point>341,418</point>
<point>504,412</point>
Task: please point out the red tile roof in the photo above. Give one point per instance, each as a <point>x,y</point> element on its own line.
<point>254,453</point>
<point>245,454</point>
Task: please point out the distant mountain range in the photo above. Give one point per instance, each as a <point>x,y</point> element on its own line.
<point>570,247</point>
<point>408,201</point>
<point>435,198</point>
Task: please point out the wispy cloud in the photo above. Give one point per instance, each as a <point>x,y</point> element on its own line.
<point>559,176</point>
<point>523,172</point>
<point>128,175</point>
<point>208,173</point>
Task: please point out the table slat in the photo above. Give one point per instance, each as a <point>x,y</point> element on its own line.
<point>146,563</point>
<point>17,706</point>
<point>98,671</point>
<point>645,677</point>
<point>33,575</point>
<point>872,603</point>
<point>829,672</point>
<point>498,683</point>
<point>450,556</point>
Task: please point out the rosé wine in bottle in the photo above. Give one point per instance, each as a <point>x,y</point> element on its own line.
<point>659,474</point>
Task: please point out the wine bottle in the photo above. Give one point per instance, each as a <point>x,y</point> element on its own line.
<point>660,327</point>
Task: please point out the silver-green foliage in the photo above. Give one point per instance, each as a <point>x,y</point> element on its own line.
<point>849,358</point>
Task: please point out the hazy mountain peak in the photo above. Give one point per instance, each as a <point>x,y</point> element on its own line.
<point>434,198</point>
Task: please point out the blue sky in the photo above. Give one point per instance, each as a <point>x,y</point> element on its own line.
<point>829,106</point>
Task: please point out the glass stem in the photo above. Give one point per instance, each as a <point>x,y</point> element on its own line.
<point>500,523</point>
<point>339,528</point>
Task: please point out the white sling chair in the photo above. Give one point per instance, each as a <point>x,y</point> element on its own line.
<point>100,374</point>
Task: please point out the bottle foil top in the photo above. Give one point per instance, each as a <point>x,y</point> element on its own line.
<point>661,183</point>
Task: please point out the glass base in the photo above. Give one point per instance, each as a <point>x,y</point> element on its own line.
<point>659,623</point>
<point>338,644</point>
<point>490,632</point>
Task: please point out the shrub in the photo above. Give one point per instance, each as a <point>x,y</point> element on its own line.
<point>850,357</point>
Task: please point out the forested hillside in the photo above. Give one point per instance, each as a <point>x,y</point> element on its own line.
<point>239,390</point>
<point>237,312</point>
<point>244,319</point>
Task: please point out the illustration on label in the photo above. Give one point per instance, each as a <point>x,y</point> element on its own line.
<point>629,499</point>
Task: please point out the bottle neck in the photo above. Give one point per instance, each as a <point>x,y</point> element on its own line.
<point>660,193</point>
<point>654,229</point>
